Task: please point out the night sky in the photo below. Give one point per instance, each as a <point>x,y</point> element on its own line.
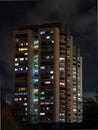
<point>81,15</point>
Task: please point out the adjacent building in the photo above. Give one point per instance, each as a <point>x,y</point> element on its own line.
<point>48,74</point>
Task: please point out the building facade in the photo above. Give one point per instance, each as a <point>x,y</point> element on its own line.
<point>48,74</point>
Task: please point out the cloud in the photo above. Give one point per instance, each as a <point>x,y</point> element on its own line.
<point>86,20</point>
<point>52,10</point>
<point>83,22</point>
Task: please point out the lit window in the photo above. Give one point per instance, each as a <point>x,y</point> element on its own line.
<point>68,57</point>
<point>16,64</point>
<point>26,43</point>
<point>47,82</point>
<point>42,93</point>
<point>26,68</point>
<point>47,103</point>
<point>21,59</point>
<point>47,37</point>
<point>74,77</point>
<point>36,110</point>
<point>26,58</point>
<point>35,70</point>
<point>42,32</point>
<point>79,99</point>
<point>25,99</point>
<point>23,49</point>
<point>68,80</point>
<point>68,52</point>
<point>35,100</point>
<point>35,80</point>
<point>74,72</point>
<point>16,59</point>
<point>21,89</point>
<point>42,103</point>
<point>26,114</point>
<point>15,99</point>
<point>74,97</point>
<point>74,89</point>
<point>36,42</point>
<point>47,108</point>
<point>21,44</point>
<point>74,110</point>
<point>62,83</point>
<point>42,98</point>
<point>74,68</point>
<point>16,94</point>
<point>62,68</point>
<point>25,53</point>
<point>36,65</point>
<point>42,67</point>
<point>17,40</point>
<point>62,59</point>
<point>52,41</point>
<point>20,99</point>
<point>47,57</point>
<point>51,77</point>
<point>25,93</point>
<point>25,103</point>
<point>35,91</point>
<point>16,69</point>
<point>78,58</point>
<point>42,114</point>
<point>21,69</point>
<point>62,114</point>
<point>51,72</point>
<point>36,47</point>
<point>78,94</point>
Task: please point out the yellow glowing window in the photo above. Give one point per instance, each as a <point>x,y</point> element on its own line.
<point>25,99</point>
<point>74,76</point>
<point>21,89</point>
<point>42,103</point>
<point>74,110</point>
<point>26,43</point>
<point>74,68</point>
<point>36,47</point>
<point>21,44</point>
<point>79,99</point>
<point>20,99</point>
<point>68,56</point>
<point>23,49</point>
<point>36,91</point>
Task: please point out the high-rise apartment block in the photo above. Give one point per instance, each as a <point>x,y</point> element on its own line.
<point>48,74</point>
